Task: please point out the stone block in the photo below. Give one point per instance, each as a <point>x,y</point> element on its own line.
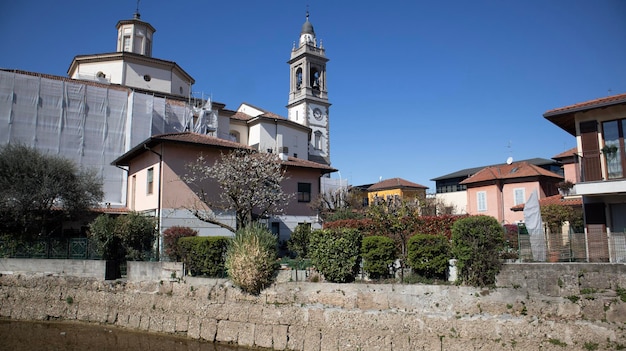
<point>156,323</point>
<point>279,337</point>
<point>312,339</point>
<point>295,337</point>
<point>208,329</point>
<point>193,327</point>
<point>616,313</point>
<point>182,323</point>
<point>263,336</point>
<point>228,331</point>
<point>245,335</point>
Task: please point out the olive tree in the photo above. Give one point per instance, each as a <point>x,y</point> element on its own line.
<point>250,184</point>
<point>39,189</point>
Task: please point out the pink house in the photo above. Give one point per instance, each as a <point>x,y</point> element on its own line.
<point>156,166</point>
<point>495,190</point>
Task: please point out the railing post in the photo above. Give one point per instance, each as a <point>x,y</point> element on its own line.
<point>608,239</point>
<point>586,246</point>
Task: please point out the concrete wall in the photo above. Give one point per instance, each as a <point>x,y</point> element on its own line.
<point>536,306</point>
<point>58,268</point>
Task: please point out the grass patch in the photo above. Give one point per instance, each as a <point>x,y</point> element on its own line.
<point>557,342</point>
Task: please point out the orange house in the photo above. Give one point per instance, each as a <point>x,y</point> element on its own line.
<point>494,190</point>
<point>156,166</point>
<point>396,188</point>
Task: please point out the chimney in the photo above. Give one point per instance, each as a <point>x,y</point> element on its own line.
<point>283,153</point>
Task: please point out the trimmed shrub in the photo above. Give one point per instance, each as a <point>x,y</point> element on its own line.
<point>129,236</point>
<point>204,255</point>
<point>428,255</point>
<point>138,233</point>
<point>335,253</point>
<point>298,243</point>
<point>378,254</point>
<point>251,258</point>
<point>170,239</point>
<point>476,244</point>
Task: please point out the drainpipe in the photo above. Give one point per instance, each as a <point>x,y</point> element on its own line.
<point>158,209</point>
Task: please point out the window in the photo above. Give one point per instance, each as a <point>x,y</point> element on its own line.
<point>126,43</point>
<point>318,140</point>
<point>613,133</point>
<point>481,198</point>
<point>304,192</point>
<point>519,194</point>
<point>276,228</point>
<point>150,181</point>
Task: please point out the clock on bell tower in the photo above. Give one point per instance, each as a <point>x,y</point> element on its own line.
<point>308,94</point>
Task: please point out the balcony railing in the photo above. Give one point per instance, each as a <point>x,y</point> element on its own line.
<point>596,165</point>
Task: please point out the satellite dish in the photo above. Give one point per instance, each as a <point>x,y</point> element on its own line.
<point>509,160</point>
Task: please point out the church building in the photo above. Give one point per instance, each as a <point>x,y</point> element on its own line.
<point>111,103</point>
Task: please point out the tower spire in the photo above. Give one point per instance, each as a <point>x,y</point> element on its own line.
<point>137,15</point>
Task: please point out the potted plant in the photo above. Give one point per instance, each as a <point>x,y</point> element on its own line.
<point>565,187</point>
<point>609,150</point>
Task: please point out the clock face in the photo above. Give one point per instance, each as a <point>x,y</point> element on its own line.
<point>317,113</point>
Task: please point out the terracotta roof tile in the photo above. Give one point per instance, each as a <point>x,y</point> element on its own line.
<point>298,162</point>
<point>567,153</point>
<point>395,183</point>
<point>512,171</point>
<point>554,200</point>
<point>202,139</point>
<point>241,116</point>
<point>609,100</point>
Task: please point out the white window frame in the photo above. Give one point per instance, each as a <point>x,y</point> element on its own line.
<point>481,201</point>
<point>519,196</point>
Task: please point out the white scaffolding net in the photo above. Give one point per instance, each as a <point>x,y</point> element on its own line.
<point>90,124</point>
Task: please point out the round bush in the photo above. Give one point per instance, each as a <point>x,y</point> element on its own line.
<point>335,253</point>
<point>251,258</point>
<point>476,244</point>
<point>428,255</point>
<point>378,253</point>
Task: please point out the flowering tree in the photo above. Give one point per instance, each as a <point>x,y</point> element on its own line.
<point>250,184</point>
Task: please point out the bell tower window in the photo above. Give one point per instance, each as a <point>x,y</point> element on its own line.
<point>318,140</point>
<point>299,78</point>
<point>315,78</point>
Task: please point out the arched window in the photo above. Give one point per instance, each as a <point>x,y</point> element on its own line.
<point>315,78</point>
<point>299,78</point>
<point>234,136</point>
<point>318,140</point>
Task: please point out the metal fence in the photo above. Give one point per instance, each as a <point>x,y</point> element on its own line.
<point>60,248</point>
<point>589,246</point>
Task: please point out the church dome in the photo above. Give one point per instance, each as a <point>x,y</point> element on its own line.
<point>307,27</point>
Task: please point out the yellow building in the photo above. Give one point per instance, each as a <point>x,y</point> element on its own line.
<point>396,188</point>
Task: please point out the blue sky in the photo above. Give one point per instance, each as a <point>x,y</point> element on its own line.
<point>419,89</point>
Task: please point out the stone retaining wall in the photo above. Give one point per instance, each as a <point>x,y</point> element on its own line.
<point>527,312</point>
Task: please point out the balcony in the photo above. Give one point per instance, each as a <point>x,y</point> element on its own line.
<point>601,173</point>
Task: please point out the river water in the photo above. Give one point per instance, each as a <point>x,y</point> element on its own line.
<point>68,336</point>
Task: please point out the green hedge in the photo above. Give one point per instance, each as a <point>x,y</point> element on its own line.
<point>335,253</point>
<point>204,255</point>
<point>378,254</point>
<point>476,244</point>
<point>428,255</point>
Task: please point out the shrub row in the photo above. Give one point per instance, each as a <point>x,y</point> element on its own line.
<point>476,244</point>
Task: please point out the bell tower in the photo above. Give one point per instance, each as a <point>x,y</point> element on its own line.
<point>308,94</point>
